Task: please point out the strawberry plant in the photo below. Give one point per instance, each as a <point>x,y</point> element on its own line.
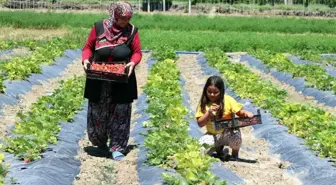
<point>4,45</point>
<point>40,125</point>
<point>3,168</point>
<point>162,52</point>
<point>10,44</point>
<point>168,141</point>
<point>316,126</point>
<point>2,87</point>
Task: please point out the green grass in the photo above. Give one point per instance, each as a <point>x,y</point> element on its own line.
<point>177,23</point>
<point>236,41</point>
<point>230,41</point>
<point>198,33</point>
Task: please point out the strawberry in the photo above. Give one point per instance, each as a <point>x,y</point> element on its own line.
<point>26,160</point>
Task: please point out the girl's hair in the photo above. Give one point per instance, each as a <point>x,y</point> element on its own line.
<point>219,83</point>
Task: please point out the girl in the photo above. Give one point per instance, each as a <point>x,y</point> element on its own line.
<point>214,105</point>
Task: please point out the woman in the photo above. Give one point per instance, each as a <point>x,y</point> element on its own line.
<point>109,109</point>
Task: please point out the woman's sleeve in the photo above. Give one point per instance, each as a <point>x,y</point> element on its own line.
<point>136,48</point>
<point>89,45</point>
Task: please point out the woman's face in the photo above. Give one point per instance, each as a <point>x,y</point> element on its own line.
<point>123,21</point>
<point>213,93</point>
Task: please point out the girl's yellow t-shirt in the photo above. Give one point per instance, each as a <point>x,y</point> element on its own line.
<point>230,105</point>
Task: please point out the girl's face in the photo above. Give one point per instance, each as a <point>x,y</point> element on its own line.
<point>213,93</point>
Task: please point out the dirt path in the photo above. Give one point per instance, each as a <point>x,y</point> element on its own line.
<point>10,33</point>
<point>16,52</point>
<point>97,170</point>
<point>27,99</point>
<point>268,169</point>
<point>293,95</point>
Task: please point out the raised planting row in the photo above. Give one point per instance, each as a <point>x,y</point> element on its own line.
<point>20,87</point>
<point>19,68</point>
<point>315,75</point>
<point>168,140</point>
<point>326,63</point>
<point>39,127</point>
<point>316,126</point>
<point>315,56</point>
<point>326,97</point>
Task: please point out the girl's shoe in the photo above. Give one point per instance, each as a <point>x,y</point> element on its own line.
<point>224,155</point>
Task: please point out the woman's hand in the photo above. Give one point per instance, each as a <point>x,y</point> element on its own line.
<point>85,63</point>
<point>131,67</point>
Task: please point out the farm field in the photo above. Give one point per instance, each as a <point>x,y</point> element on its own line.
<point>286,67</point>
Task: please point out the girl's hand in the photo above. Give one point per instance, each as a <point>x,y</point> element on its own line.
<point>244,113</point>
<point>248,114</point>
<point>213,109</point>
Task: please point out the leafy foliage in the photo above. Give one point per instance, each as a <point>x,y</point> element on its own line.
<point>9,44</point>
<point>3,168</point>
<point>162,52</point>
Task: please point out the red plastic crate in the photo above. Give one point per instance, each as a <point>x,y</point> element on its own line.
<point>108,76</point>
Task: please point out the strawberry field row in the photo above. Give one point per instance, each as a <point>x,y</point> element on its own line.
<point>315,56</point>
<point>39,127</point>
<point>169,142</point>
<point>315,75</point>
<point>316,126</point>
<point>19,68</point>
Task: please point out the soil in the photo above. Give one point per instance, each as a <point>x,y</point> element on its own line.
<point>16,52</point>
<point>17,34</point>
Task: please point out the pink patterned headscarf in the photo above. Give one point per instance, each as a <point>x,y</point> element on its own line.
<point>120,9</point>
